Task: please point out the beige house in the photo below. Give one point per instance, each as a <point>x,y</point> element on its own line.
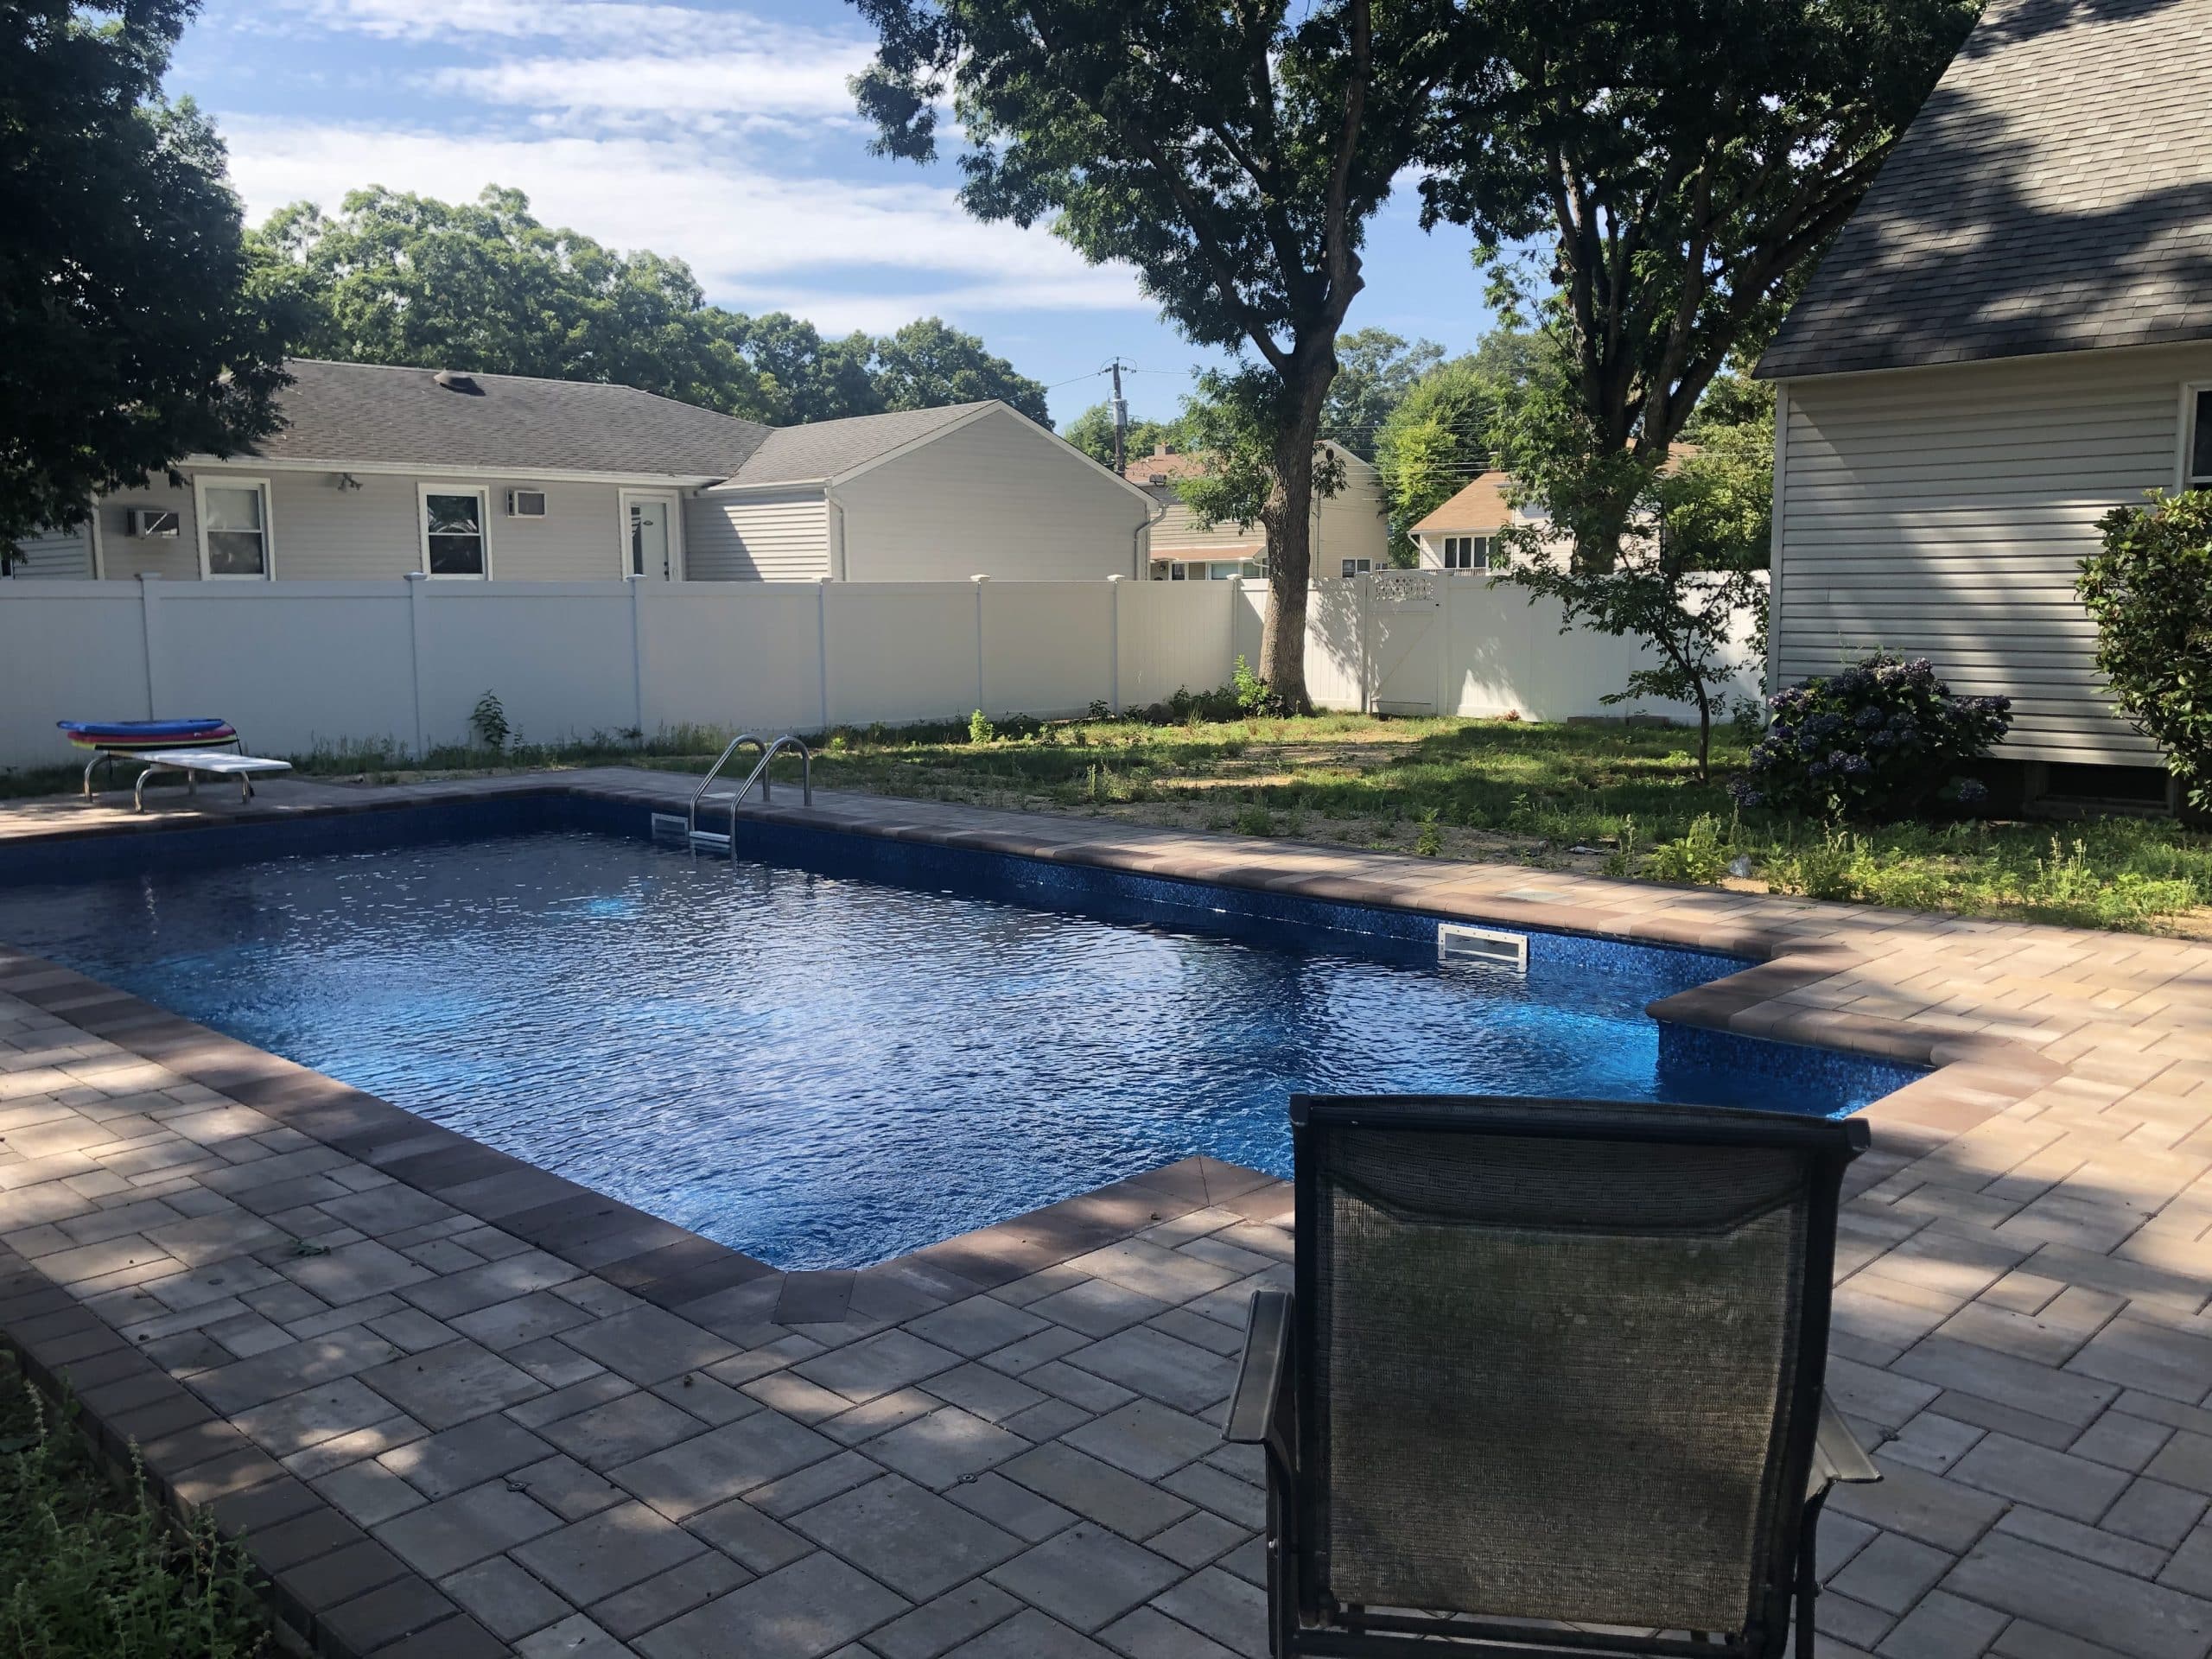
<point>393,472</point>
<point>1462,533</point>
<point>1349,533</point>
<point>2012,336</point>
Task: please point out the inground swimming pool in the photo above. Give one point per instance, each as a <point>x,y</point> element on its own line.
<point>835,1049</point>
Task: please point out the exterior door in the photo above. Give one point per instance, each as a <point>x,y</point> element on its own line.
<point>652,542</point>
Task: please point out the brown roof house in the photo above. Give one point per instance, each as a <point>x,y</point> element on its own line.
<point>2011,336</point>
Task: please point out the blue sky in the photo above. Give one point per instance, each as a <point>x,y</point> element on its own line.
<point>722,135</point>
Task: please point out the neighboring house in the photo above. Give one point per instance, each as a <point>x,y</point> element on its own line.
<point>1348,534</point>
<point>1462,534</point>
<point>386,471</point>
<point>2012,336</point>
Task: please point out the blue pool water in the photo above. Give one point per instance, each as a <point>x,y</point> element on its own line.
<point>824,1069</point>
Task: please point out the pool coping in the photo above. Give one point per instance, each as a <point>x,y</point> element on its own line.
<point>197,1459</point>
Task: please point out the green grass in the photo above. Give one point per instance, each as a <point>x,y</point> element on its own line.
<point>90,1569</point>
<point>1625,800</point>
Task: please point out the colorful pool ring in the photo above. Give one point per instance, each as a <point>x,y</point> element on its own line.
<point>147,734</point>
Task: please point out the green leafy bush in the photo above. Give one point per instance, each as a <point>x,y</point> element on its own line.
<point>1870,743</point>
<point>980,728</point>
<point>2149,592</point>
<point>487,722</point>
<point>1698,856</point>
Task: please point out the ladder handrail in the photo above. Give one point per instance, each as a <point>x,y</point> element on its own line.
<point>788,741</point>
<point>691,818</point>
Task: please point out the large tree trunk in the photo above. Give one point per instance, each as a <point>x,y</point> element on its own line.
<point>1288,519</point>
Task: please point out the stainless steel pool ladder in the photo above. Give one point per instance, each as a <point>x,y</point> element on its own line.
<point>769,751</point>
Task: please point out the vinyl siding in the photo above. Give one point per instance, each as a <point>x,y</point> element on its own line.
<point>1944,511</point>
<point>784,536</point>
<point>1349,524</point>
<point>996,497</point>
<point>55,555</point>
<point>319,533</point>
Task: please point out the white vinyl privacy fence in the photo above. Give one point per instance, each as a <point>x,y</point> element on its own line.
<point>304,665</point>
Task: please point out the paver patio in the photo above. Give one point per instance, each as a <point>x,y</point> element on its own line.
<point>457,1405</point>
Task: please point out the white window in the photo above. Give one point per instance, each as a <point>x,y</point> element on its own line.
<point>1467,552</point>
<point>452,531</point>
<point>2196,464</point>
<point>1358,567</point>
<point>233,528</point>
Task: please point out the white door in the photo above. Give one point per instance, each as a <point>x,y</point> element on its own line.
<point>652,543</point>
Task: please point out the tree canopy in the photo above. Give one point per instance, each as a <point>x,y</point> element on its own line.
<point>396,277</point>
<point>1233,154</point>
<point>1375,370</point>
<point>130,333</point>
<point>1442,432</point>
<point>1673,168</point>
<point>1092,432</point>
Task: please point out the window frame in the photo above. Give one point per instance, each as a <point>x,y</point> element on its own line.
<point>1355,571</point>
<point>423,491</point>
<point>2192,392</point>
<point>200,484</point>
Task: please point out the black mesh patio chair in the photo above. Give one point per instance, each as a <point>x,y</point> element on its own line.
<point>1549,1378</point>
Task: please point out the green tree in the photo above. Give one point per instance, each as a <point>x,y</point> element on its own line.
<point>1228,423</point>
<point>1092,432</point>
<point>1675,170</point>
<point>1233,154</point>
<point>396,277</point>
<point>926,365</point>
<point>1375,370</point>
<point>1716,500</point>
<point>130,333</point>
<point>803,375</point>
<point>1440,436</point>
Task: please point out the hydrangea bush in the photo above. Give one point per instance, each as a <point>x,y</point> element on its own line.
<point>1874,741</point>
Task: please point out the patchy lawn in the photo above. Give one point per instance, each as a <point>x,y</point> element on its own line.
<point>1620,800</point>
<point>90,1570</point>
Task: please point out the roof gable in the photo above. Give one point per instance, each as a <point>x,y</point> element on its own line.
<point>2053,195</point>
<point>368,413</point>
<point>1479,505</point>
<point>829,449</point>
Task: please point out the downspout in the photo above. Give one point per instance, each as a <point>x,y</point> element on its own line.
<point>1153,512</point>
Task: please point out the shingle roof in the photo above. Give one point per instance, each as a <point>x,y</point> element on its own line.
<point>1479,506</point>
<point>344,412</point>
<point>801,455</point>
<point>2053,195</point>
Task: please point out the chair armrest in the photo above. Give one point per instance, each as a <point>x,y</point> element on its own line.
<point>1260,1374</point>
<point>1837,1455</point>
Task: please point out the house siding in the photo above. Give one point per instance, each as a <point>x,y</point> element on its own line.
<point>996,497</point>
<point>1349,524</point>
<point>1944,512</point>
<point>784,536</point>
<point>319,533</point>
<point>55,555</point>
<point>1177,533</point>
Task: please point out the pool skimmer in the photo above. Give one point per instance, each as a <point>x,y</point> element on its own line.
<point>1456,942</point>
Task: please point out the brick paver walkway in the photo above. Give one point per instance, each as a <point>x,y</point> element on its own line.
<point>458,1406</point>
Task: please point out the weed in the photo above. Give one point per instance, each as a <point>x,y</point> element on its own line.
<point>1698,856</point>
<point>487,723</point>
<point>980,728</point>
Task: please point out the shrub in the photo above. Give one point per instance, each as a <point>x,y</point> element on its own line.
<point>980,730</point>
<point>2149,592</point>
<point>1873,743</point>
<point>487,722</point>
<point>1698,856</point>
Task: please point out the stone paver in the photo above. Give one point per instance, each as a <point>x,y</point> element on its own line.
<point>459,1405</point>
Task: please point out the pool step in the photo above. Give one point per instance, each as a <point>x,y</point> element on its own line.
<point>710,841</point>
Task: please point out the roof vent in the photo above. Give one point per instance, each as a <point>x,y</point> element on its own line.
<point>453,380</point>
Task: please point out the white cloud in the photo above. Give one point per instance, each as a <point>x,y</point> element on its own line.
<point>710,92</point>
<point>647,26</point>
<point>845,254</point>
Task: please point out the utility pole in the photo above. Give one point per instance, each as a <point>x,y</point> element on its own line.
<point>1121,424</point>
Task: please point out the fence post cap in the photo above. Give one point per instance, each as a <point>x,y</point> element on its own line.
<point>1117,578</point>
<point>149,576</point>
<point>979,578</point>
<point>415,575</point>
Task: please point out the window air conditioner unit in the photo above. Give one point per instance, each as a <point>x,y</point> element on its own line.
<point>526,503</point>
<point>152,522</point>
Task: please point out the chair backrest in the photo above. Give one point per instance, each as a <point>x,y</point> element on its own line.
<point>1560,1360</point>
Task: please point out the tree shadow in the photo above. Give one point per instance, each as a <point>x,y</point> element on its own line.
<point>2051,195</point>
